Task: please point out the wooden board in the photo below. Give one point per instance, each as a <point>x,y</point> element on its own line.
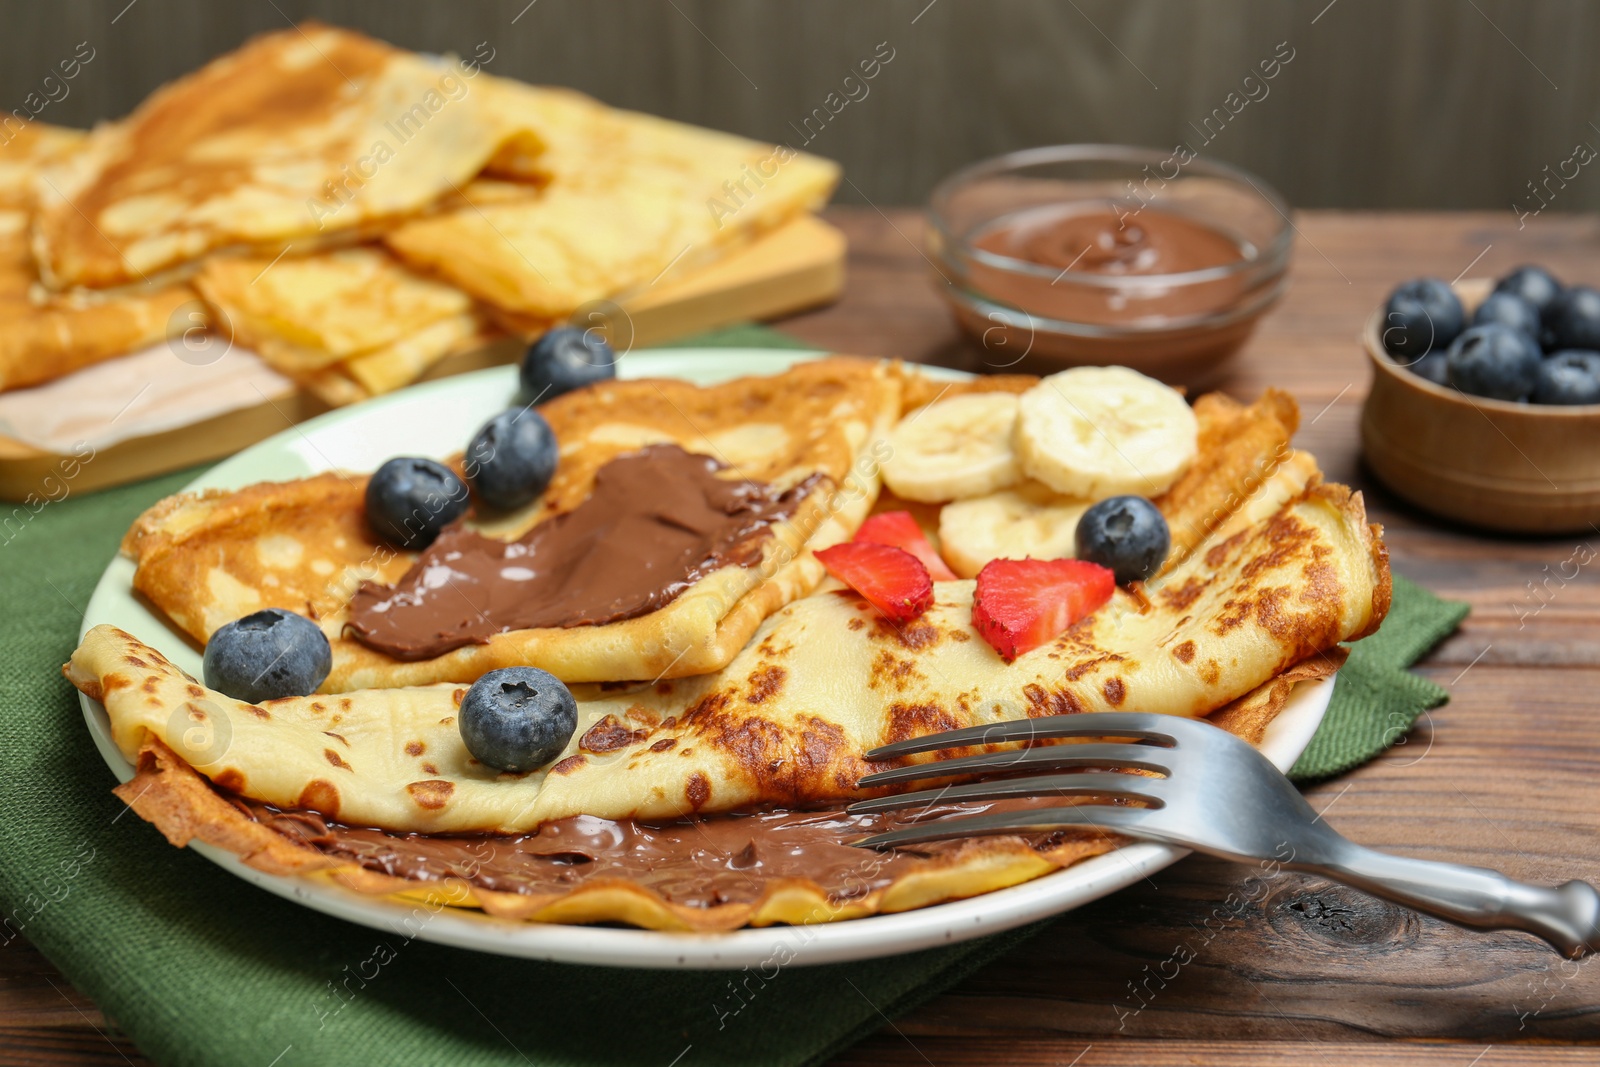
<point>795,267</point>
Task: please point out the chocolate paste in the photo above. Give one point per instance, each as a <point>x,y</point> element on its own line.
<point>1091,238</point>
<point>716,860</point>
<point>656,522</point>
<point>1098,241</point>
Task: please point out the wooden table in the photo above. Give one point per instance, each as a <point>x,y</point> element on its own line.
<point>1506,775</point>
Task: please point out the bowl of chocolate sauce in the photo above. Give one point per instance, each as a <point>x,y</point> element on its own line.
<point>1074,255</point>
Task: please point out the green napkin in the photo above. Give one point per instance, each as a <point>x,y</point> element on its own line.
<point>199,967</point>
<point>1376,699</point>
<point>743,335</point>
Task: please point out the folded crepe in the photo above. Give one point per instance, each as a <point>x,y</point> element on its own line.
<point>45,335</point>
<point>207,559</point>
<point>349,324</point>
<point>298,138</point>
<point>606,196</point>
<point>627,199</point>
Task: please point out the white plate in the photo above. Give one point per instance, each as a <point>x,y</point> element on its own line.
<point>437,419</point>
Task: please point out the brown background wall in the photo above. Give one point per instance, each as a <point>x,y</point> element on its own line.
<point>1414,104</point>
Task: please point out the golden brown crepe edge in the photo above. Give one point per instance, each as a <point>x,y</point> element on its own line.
<point>184,806</point>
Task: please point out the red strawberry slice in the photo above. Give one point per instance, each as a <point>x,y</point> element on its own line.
<point>899,529</point>
<point>893,580</point>
<point>1021,604</point>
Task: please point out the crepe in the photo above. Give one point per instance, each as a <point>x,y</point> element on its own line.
<point>919,390</point>
<point>46,336</point>
<point>297,137</point>
<point>1239,450</point>
<point>628,198</point>
<point>349,324</point>
<point>185,806</point>
<point>785,722</point>
<point>304,545</point>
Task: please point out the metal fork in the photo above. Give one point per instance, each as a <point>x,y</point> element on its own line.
<point>1219,796</point>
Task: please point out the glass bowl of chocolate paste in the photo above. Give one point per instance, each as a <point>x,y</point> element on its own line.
<point>1109,255</point>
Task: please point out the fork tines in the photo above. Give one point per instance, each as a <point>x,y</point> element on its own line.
<point>1115,786</point>
<point>1037,820</point>
<point>1156,728</point>
<point>1158,731</point>
<point>1048,758</point>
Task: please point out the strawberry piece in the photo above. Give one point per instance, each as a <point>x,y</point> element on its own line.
<point>1021,604</point>
<point>899,529</point>
<point>893,580</point>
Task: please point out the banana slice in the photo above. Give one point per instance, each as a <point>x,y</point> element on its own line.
<point>1029,520</point>
<point>954,449</point>
<point>1099,431</point>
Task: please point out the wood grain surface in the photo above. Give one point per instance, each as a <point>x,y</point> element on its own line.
<point>1504,775</point>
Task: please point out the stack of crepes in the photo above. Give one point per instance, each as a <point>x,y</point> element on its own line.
<point>355,213</point>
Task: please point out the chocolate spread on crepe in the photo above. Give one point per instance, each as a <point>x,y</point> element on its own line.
<point>657,521</point>
<point>701,863</point>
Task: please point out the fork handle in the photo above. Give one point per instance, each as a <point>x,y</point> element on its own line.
<point>1566,915</point>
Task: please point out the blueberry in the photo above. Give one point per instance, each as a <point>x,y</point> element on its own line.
<point>1421,316</point>
<point>1574,320</point>
<point>1435,366</point>
<point>517,718</point>
<point>1126,534</point>
<point>1511,310</point>
<point>1570,377</point>
<point>565,359</point>
<point>1533,284</point>
<point>1494,361</point>
<point>409,500</point>
<point>512,458</point>
<point>273,653</point>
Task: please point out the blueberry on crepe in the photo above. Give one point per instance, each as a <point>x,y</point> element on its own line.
<point>512,458</point>
<point>1494,361</point>
<point>1421,316</point>
<point>270,654</point>
<point>565,359</point>
<point>1570,377</point>
<point>517,718</point>
<point>1127,535</point>
<point>410,499</point>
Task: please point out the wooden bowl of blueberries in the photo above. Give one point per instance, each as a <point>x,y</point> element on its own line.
<point>1485,401</point>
